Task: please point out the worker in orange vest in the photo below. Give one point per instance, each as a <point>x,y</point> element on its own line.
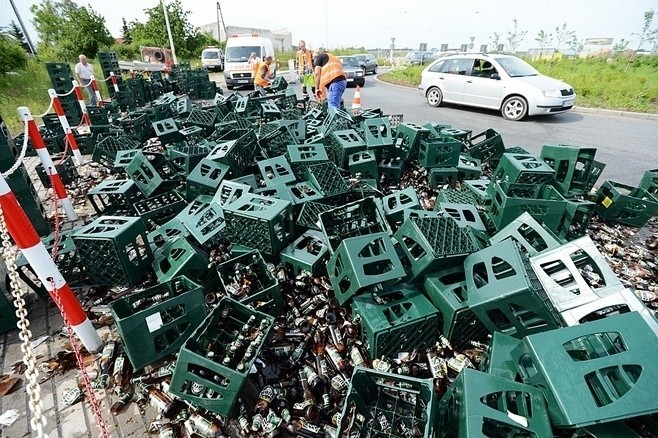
<point>305,69</point>
<point>330,78</point>
<point>254,61</point>
<point>262,78</point>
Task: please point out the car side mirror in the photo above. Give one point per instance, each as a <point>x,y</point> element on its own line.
<point>495,76</point>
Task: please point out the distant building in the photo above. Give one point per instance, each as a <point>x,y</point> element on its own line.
<point>281,38</point>
<point>595,47</point>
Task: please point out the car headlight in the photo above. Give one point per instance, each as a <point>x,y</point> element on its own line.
<point>552,93</point>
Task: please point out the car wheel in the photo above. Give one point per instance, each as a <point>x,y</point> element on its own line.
<point>374,71</point>
<point>514,108</point>
<point>434,97</point>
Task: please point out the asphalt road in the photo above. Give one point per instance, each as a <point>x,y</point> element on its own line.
<point>627,146</point>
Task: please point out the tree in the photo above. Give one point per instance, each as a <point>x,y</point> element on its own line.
<point>620,46</point>
<point>67,30</point>
<point>15,32</point>
<point>495,40</point>
<point>562,35</point>
<point>543,38</point>
<point>647,35</point>
<point>515,37</point>
<point>125,32</point>
<point>12,55</point>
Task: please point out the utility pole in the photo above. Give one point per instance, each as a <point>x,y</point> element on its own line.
<point>20,20</point>
<point>219,14</point>
<point>171,38</point>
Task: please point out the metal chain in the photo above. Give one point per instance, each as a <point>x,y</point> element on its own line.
<point>38,421</point>
<point>96,409</point>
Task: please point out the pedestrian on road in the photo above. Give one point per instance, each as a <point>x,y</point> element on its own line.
<point>330,79</point>
<point>263,78</point>
<point>83,73</point>
<point>305,69</point>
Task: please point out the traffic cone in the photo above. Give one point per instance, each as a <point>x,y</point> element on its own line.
<point>356,102</point>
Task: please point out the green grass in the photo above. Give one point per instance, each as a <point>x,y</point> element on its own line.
<point>599,83</point>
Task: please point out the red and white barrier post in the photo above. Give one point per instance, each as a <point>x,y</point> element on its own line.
<point>94,86</point>
<point>48,165</point>
<point>81,101</point>
<point>22,231</point>
<point>115,83</point>
<point>65,126</point>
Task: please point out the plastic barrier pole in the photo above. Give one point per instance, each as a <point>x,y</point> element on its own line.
<point>49,167</point>
<point>114,81</point>
<point>22,231</point>
<point>94,86</point>
<point>65,125</point>
<point>81,102</point>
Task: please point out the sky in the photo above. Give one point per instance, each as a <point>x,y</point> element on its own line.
<point>372,24</point>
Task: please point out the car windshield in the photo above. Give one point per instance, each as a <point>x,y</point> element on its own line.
<point>350,61</point>
<point>210,55</point>
<point>240,54</point>
<point>516,67</point>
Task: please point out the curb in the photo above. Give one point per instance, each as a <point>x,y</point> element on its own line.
<point>577,109</point>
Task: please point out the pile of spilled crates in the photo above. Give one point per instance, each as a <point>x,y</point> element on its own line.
<point>502,260</point>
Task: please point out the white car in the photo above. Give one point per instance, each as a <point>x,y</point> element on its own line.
<point>501,82</point>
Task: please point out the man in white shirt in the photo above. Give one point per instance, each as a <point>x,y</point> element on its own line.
<point>83,72</point>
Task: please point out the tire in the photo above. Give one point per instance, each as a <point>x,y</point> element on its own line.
<point>514,108</point>
<point>374,71</point>
<point>229,87</point>
<point>434,97</point>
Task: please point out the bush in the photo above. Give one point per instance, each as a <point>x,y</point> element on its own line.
<point>12,55</point>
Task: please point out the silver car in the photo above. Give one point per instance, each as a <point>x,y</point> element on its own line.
<point>501,82</point>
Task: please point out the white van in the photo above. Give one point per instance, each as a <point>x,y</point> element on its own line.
<point>212,58</point>
<point>237,71</point>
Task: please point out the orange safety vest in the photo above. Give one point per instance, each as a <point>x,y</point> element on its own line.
<point>304,60</point>
<point>330,71</point>
<point>255,66</point>
<point>258,80</point>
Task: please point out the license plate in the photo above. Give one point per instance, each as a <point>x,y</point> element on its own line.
<point>567,103</point>
<point>243,81</point>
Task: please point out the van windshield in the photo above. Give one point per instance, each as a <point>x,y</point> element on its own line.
<point>241,54</point>
<point>210,55</point>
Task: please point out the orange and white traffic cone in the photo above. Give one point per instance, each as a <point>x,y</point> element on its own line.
<point>356,101</point>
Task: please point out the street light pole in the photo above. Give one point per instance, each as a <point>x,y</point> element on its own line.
<point>171,38</point>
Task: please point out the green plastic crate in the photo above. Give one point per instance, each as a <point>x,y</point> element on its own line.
<point>486,146</point>
<point>153,173</point>
<point>358,218</point>
<point>259,222</point>
<point>483,405</point>
<point>544,203</point>
<point>408,138</point>
<point>308,252</point>
<point>301,156</point>
<point>309,215</point>
<point>382,404</point>
<point>184,158</point>
<point>468,168</point>
<point>364,165</point>
<point>576,171</point>
<point>124,158</point>
<point>159,209</point>
<point>364,263</point>
<point>180,257</point>
<point>576,218</point>
<point>276,171</point>
<point>595,372</point>
<point>113,196</point>
<point>205,178</point>
<point>65,169</point>
<point>167,232</point>
<point>274,138</point>
<point>521,169</point>
<point>478,188</point>
<point>230,191</point>
<point>505,294</point>
<point>114,250</point>
<point>466,215</point>
<point>167,131</point>
<point>204,219</point>
<point>327,178</point>
<point>8,318</point>
<point>455,196</point>
<point>397,202</point>
<point>202,378</point>
<point>531,236</point>
<point>392,167</point>
<point>378,135</point>
<point>105,152</point>
<point>155,322</point>
<point>625,204</point>
<point>256,287</point>
<point>238,154</point>
<point>345,143</point>
<point>446,289</point>
<point>439,151</point>
<point>649,182</point>
<point>433,243</point>
<point>443,177</point>
<point>400,319</point>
